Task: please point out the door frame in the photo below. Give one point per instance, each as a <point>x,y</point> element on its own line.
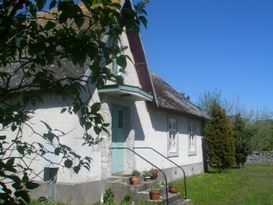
<point>116,131</point>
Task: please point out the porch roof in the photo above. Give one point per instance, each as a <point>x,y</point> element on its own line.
<point>126,91</point>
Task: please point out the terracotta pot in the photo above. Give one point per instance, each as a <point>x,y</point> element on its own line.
<point>155,194</point>
<point>172,190</point>
<point>154,174</point>
<point>135,180</point>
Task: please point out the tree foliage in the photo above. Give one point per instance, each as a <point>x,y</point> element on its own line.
<point>253,129</point>
<point>262,135</point>
<point>242,140</point>
<point>220,139</point>
<point>259,126</point>
<point>34,35</point>
<point>208,98</point>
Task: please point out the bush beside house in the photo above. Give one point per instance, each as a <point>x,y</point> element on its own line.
<point>220,139</point>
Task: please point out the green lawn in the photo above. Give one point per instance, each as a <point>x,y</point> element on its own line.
<point>252,185</point>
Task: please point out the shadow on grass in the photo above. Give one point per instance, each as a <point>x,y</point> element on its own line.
<point>213,172</point>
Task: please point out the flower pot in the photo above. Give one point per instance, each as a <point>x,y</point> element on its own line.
<point>135,180</point>
<point>155,194</point>
<point>173,190</point>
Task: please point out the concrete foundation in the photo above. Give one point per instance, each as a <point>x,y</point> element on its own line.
<point>91,192</point>
<point>175,173</point>
<point>73,194</point>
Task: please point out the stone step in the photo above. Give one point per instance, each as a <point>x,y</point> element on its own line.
<point>186,202</point>
<point>173,198</point>
<point>119,179</point>
<point>172,202</point>
<point>125,181</point>
<point>122,187</point>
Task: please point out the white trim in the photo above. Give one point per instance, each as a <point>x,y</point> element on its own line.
<point>172,137</point>
<point>192,137</point>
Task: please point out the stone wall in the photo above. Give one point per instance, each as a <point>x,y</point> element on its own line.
<point>265,157</point>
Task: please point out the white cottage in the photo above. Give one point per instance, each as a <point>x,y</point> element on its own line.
<point>143,112</point>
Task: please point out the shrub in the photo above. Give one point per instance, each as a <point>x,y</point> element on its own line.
<point>220,139</point>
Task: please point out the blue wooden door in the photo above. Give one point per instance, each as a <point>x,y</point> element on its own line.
<point>118,138</point>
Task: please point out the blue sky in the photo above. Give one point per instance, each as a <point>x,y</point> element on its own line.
<point>198,45</point>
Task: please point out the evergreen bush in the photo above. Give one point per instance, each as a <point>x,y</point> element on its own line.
<point>220,139</point>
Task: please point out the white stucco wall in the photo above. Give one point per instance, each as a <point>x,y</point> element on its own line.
<point>154,123</point>
<point>130,75</point>
<point>50,112</point>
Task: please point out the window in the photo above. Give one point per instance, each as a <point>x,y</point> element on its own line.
<point>192,137</point>
<point>115,67</point>
<point>50,174</point>
<point>172,138</point>
<point>114,42</point>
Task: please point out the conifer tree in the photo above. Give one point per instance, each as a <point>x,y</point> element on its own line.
<point>220,139</point>
<point>242,145</point>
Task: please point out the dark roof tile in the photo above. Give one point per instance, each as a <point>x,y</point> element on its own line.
<point>169,98</point>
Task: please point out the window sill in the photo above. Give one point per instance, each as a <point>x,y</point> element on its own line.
<point>172,154</point>
<point>192,154</point>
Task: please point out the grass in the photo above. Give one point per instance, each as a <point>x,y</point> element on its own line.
<point>251,185</point>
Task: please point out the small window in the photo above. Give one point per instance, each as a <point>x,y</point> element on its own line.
<point>192,137</point>
<point>172,138</point>
<point>50,174</point>
<point>115,67</point>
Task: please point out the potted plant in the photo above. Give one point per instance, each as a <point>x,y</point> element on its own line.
<point>135,177</point>
<point>172,188</point>
<point>147,175</point>
<point>155,191</point>
<point>154,173</point>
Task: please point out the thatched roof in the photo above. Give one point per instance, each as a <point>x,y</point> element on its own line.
<point>19,78</point>
<point>169,98</point>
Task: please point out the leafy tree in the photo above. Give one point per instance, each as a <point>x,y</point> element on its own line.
<point>257,131</point>
<point>220,139</point>
<point>34,35</point>
<point>208,98</point>
<point>262,135</point>
<point>242,140</point>
<point>259,125</point>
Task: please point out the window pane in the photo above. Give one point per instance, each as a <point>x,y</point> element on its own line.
<point>114,66</point>
<point>172,142</point>
<point>172,138</point>
<point>174,124</point>
<point>170,125</point>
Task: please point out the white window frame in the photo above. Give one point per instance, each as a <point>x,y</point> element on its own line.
<point>192,137</point>
<point>115,67</point>
<point>172,138</point>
